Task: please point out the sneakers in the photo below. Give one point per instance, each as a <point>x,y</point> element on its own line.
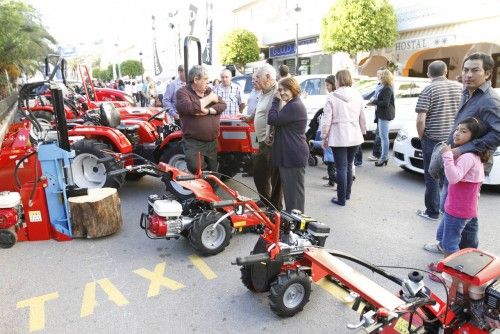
<point>434,248</point>
<point>423,213</point>
<point>373,158</point>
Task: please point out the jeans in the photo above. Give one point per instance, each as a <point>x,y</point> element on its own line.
<point>344,157</point>
<point>377,145</point>
<point>358,157</point>
<point>383,131</point>
<point>432,186</point>
<point>456,233</point>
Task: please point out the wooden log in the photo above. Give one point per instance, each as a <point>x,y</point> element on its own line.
<point>97,214</point>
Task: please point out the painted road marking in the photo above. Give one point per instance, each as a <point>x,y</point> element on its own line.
<point>37,310</point>
<point>202,267</point>
<point>89,301</point>
<point>158,279</point>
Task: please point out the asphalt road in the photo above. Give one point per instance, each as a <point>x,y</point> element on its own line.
<point>127,283</point>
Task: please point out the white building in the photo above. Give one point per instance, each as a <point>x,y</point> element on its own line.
<point>428,30</point>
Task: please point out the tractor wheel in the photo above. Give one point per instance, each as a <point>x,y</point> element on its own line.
<point>206,239</point>
<point>312,161</point>
<point>45,119</point>
<point>228,167</point>
<point>8,238</point>
<point>261,275</point>
<point>87,172</point>
<point>246,277</point>
<point>289,293</point>
<point>174,156</point>
<point>133,176</point>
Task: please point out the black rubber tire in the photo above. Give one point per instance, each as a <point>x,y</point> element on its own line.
<point>175,152</point>
<point>45,118</point>
<point>312,161</point>
<point>228,166</point>
<point>133,176</point>
<point>174,156</point>
<point>293,284</point>
<point>94,148</point>
<point>8,238</point>
<point>200,225</point>
<point>258,276</point>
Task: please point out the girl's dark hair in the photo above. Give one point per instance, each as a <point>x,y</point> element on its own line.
<point>477,129</point>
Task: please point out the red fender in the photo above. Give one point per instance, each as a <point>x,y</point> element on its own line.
<point>147,132</point>
<point>67,111</point>
<point>174,136</point>
<point>116,138</point>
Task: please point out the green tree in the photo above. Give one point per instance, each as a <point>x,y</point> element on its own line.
<point>239,47</point>
<point>358,25</point>
<point>24,42</point>
<point>103,74</point>
<point>132,68</point>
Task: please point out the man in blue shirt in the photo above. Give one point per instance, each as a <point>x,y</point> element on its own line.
<point>169,95</point>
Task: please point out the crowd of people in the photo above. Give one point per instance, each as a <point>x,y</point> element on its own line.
<point>466,115</point>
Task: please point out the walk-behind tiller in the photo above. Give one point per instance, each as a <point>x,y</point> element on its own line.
<point>193,210</point>
<point>289,253</point>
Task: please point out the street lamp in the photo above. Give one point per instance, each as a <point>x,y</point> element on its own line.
<point>297,10</point>
<point>142,65</point>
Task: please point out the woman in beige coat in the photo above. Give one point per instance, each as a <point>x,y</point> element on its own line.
<point>343,126</point>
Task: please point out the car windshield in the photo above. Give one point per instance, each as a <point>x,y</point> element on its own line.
<point>403,89</point>
<point>314,86</point>
<point>245,83</point>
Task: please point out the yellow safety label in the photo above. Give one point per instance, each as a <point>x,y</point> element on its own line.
<point>239,224</point>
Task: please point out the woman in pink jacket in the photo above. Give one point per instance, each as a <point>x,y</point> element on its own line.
<point>343,126</point>
<point>464,175</point>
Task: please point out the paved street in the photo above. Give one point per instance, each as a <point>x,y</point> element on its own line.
<point>105,285</point>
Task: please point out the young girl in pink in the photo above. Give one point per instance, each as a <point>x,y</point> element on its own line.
<point>458,228</point>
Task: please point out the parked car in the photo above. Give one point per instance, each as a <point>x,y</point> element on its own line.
<point>406,89</point>
<point>313,92</point>
<point>406,92</point>
<point>407,154</point>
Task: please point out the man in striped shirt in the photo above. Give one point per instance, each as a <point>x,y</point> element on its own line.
<point>231,94</point>
<point>436,108</point>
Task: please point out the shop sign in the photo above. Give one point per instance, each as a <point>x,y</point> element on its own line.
<point>288,49</point>
<point>424,42</point>
<point>282,50</point>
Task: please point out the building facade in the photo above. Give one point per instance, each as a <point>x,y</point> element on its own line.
<point>448,30</point>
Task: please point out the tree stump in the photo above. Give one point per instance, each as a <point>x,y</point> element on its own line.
<point>97,214</point>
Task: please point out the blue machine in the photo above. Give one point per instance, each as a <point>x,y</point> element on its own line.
<point>55,164</point>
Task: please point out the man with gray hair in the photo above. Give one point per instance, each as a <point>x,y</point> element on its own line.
<point>266,177</point>
<point>231,94</point>
<point>199,110</point>
<point>436,108</point>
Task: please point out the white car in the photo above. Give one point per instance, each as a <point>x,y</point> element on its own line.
<point>407,154</point>
<point>406,92</point>
<point>406,89</point>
